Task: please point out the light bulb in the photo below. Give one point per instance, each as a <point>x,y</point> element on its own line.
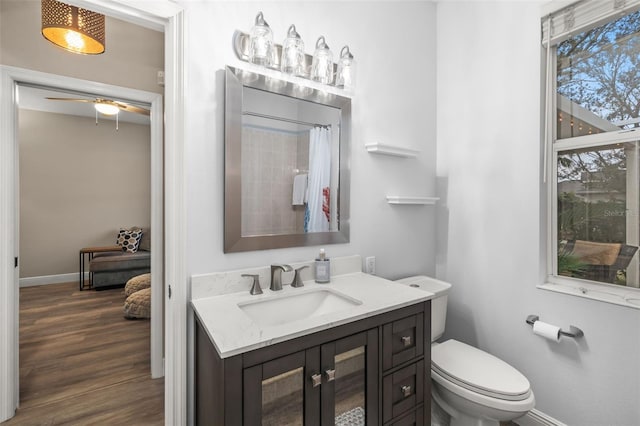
<point>74,40</point>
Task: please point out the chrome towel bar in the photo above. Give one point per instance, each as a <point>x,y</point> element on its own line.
<point>573,331</point>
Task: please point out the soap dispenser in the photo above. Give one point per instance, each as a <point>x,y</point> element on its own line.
<point>323,268</point>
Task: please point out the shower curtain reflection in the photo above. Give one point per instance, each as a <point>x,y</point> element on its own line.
<point>318,213</point>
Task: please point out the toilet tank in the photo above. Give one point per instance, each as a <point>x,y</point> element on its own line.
<point>438,303</point>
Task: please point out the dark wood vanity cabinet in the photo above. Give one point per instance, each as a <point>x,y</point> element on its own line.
<point>372,370</point>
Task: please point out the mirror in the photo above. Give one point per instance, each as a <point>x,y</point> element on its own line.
<point>286,164</point>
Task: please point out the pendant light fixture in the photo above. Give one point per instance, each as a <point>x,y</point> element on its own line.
<point>72,28</point>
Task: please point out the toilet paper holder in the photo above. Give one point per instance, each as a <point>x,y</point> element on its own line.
<point>573,331</point>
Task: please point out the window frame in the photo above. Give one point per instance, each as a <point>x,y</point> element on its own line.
<point>595,290</point>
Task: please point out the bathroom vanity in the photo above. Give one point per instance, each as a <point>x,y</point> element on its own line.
<point>356,349</point>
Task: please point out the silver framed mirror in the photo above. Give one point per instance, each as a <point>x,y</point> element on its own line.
<point>287,157</point>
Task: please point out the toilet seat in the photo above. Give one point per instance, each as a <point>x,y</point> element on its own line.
<point>478,372</point>
<point>502,405</point>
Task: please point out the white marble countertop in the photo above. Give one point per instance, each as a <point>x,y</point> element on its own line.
<point>233,332</point>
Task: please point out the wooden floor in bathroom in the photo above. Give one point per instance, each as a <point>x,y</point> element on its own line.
<point>82,362</point>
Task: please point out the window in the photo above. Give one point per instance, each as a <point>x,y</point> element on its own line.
<point>593,124</point>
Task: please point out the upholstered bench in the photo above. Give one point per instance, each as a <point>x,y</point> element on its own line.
<point>113,269</point>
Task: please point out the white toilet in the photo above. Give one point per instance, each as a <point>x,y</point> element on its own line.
<point>472,386</point>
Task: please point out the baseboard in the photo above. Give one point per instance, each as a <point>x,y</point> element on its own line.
<point>537,418</point>
<point>51,279</point>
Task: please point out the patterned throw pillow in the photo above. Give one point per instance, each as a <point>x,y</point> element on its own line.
<point>129,239</point>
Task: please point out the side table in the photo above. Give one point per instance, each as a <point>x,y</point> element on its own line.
<point>89,251</point>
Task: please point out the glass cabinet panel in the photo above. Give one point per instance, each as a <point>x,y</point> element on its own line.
<point>350,379</point>
<point>283,399</point>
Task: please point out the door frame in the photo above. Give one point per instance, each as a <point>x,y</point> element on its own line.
<point>53,81</point>
<point>159,13</point>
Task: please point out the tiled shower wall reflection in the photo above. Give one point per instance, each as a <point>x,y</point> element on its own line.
<point>270,159</point>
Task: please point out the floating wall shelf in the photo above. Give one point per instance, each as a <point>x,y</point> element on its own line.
<point>396,151</point>
<point>396,199</point>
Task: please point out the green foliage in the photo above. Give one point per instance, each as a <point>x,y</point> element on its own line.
<point>570,265</point>
<point>602,169</point>
<point>603,221</point>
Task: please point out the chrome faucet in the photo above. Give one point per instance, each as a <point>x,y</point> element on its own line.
<point>276,276</point>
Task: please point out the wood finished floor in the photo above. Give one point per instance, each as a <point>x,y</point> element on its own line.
<point>82,363</point>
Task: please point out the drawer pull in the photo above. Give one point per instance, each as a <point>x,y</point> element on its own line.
<point>331,375</point>
<point>316,380</point>
<point>406,341</point>
<point>406,391</point>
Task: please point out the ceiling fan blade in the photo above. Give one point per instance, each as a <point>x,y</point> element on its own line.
<point>133,108</point>
<point>123,106</point>
<point>72,99</point>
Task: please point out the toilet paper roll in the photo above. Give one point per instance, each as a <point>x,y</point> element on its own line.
<point>547,331</point>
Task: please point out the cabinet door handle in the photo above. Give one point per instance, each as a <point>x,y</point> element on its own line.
<point>406,391</point>
<point>331,375</point>
<point>406,341</point>
<point>316,380</point>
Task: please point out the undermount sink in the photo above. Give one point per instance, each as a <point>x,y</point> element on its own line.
<point>282,309</point>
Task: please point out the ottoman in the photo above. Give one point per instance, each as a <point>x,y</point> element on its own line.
<point>137,283</point>
<point>138,304</point>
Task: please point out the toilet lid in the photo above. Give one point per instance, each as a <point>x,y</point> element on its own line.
<point>478,371</point>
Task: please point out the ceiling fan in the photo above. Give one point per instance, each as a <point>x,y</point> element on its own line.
<point>107,106</point>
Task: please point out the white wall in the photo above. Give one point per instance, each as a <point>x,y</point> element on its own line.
<point>489,223</point>
<point>394,44</point>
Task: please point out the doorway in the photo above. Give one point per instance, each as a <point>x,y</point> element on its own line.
<point>168,16</point>
<point>80,181</point>
<point>34,78</point>
<point>156,194</point>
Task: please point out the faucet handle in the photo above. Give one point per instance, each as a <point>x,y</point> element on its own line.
<point>255,288</point>
<point>297,278</point>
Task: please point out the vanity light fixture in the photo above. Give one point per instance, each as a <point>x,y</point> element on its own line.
<point>293,58</point>
<point>72,28</point>
<point>261,42</point>
<point>290,60</point>
<point>322,65</point>
<point>345,77</point>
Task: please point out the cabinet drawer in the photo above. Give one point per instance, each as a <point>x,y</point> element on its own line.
<point>402,390</point>
<point>415,418</point>
<point>402,341</point>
